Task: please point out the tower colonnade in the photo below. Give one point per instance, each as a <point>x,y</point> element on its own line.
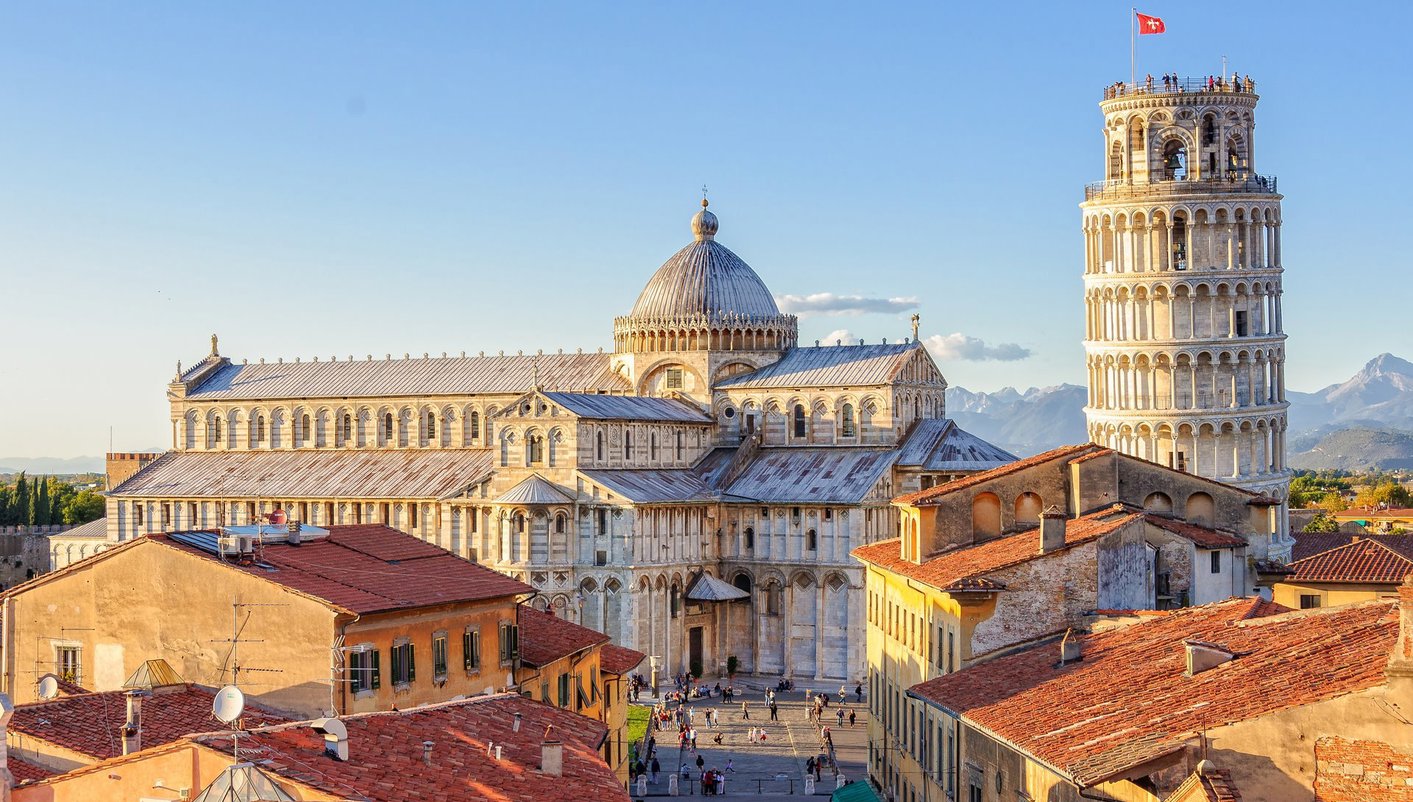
<point>1184,337</point>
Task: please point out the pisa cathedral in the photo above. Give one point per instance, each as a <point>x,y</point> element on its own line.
<point>1182,280</point>
<point>695,493</point>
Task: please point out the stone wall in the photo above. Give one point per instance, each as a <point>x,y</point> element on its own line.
<point>24,554</point>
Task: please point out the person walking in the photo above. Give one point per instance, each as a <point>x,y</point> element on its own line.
<point>701,763</point>
<point>745,711</point>
<point>653,769</point>
<point>852,714</point>
<point>773,712</point>
<point>858,692</point>
<point>839,714</point>
<point>843,694</point>
<point>730,767</point>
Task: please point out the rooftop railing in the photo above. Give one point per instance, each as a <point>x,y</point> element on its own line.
<point>1181,86</point>
<point>1168,184</point>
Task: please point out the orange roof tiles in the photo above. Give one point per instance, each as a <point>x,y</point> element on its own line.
<point>1127,700</point>
<point>951,569</point>
<point>369,568</point>
<point>545,637</point>
<point>386,756</point>
<point>24,771</point>
<point>1364,560</point>
<point>92,723</point>
<point>617,659</point>
<point>1203,536</point>
<point>931,493</point>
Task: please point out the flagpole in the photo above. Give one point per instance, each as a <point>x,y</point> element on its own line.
<point>1132,46</point>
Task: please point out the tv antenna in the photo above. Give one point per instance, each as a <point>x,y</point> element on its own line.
<point>235,640</point>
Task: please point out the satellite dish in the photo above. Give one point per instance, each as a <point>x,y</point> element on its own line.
<point>48,687</point>
<point>228,704</point>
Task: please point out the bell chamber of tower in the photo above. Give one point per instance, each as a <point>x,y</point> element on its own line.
<point>1182,285</point>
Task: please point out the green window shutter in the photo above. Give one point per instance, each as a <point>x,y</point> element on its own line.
<point>466,649</point>
<point>377,672</point>
<point>411,665</point>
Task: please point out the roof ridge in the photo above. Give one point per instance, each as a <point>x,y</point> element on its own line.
<point>1313,612</point>
<point>1358,541</point>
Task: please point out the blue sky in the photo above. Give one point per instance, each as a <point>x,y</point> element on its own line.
<point>356,177</point>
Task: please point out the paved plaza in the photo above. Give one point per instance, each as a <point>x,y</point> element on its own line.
<point>775,767</point>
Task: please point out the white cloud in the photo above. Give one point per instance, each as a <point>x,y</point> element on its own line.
<point>974,349</point>
<point>827,303</point>
<point>843,335</point>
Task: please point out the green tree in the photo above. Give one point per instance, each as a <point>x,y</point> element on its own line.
<point>22,500</point>
<point>1386,492</point>
<point>41,500</point>
<point>1322,522</point>
<point>1332,502</point>
<point>82,507</point>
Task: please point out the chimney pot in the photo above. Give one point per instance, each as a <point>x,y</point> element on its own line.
<point>1070,651</point>
<point>427,751</point>
<point>132,728</point>
<point>552,758</point>
<point>515,726</point>
<point>1052,529</point>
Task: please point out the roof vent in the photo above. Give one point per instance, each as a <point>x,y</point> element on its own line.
<point>294,536</point>
<point>552,758</point>
<point>515,726</point>
<point>427,751</point>
<point>1202,656</point>
<point>335,737</point>
<point>1069,648</point>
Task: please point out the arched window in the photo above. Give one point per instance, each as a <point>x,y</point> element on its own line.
<point>676,600</point>
<point>347,426</point>
<point>1028,507</point>
<point>742,582</point>
<point>304,428</point>
<point>598,440</point>
<point>1200,509</point>
<point>559,524</point>
<point>917,407</point>
<point>535,449</point>
<point>431,426</point>
<point>750,538</point>
<point>519,521</point>
<point>773,593</point>
<point>387,428</point>
<point>799,415</point>
<point>259,428</point>
<point>216,426</point>
<point>1158,502</point>
<point>846,421</point>
<point>986,516</point>
<point>811,540</point>
<point>1174,161</point>
<point>473,424</point>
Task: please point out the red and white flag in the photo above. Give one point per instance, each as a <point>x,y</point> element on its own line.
<point>1147,24</point>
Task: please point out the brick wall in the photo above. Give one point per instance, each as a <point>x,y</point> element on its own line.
<point>1367,771</point>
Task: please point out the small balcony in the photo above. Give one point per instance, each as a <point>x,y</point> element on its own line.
<point>1167,185</point>
<point>1181,86</point>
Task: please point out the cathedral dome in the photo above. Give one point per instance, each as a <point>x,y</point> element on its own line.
<point>705,279</point>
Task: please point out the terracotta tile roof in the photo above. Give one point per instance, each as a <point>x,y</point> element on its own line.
<point>24,771</point>
<point>1127,700</point>
<point>1363,560</point>
<point>953,569</point>
<point>1308,544</point>
<point>545,637</point>
<point>385,754</point>
<point>1207,784</point>
<point>92,723</point>
<point>933,493</point>
<point>617,659</point>
<point>1361,771</point>
<point>367,569</point>
<point>1203,536</point>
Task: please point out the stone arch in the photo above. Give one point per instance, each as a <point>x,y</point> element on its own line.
<point>985,516</point>
<point>1200,509</point>
<point>1158,502</point>
<point>1028,507</point>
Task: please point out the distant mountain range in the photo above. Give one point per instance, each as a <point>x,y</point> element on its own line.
<point>1361,424</point>
<point>51,465</point>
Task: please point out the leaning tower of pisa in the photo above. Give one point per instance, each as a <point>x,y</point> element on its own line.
<point>1182,287</point>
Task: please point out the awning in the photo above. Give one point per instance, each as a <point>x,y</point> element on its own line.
<point>709,588</point>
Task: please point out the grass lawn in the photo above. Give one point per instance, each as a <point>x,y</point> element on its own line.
<point>638,716</point>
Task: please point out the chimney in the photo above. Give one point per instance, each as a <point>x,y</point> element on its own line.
<point>294,537</point>
<point>552,758</point>
<point>427,751</point>
<point>1052,529</point>
<point>1069,648</point>
<point>132,728</point>
<point>515,726</point>
<point>335,734</point>
<point>1202,656</point>
<point>1400,663</point>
